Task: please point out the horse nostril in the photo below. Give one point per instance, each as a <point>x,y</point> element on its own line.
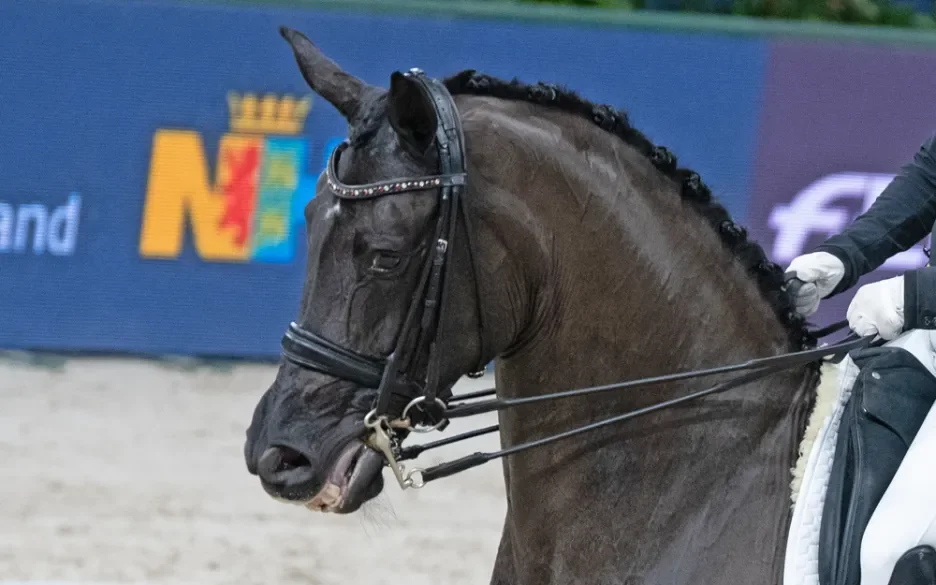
<point>293,458</point>
<point>285,467</point>
<point>277,459</point>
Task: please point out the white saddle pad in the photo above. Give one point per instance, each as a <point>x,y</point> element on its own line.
<point>801,563</point>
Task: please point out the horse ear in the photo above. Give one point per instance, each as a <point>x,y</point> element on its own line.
<point>412,115</point>
<point>341,89</point>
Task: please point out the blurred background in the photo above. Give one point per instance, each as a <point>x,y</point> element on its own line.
<point>137,335</point>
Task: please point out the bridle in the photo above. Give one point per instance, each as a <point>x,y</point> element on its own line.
<point>405,403</point>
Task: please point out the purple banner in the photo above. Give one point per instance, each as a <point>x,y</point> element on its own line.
<point>837,122</point>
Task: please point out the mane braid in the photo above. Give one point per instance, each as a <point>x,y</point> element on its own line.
<point>769,276</point>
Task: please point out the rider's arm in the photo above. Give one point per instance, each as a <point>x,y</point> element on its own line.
<point>900,217</point>
<point>920,298</point>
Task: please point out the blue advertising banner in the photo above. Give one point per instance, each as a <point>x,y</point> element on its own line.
<point>140,210</point>
<point>826,149</point>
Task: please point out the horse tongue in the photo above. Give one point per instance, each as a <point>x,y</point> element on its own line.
<point>336,482</point>
<point>328,497</point>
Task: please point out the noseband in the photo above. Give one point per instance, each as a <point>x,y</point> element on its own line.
<point>404,403</point>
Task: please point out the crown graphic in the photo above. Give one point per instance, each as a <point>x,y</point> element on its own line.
<point>269,114</point>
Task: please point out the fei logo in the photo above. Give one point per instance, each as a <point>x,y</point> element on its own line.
<point>812,212</point>
<point>247,213</point>
<point>33,227</point>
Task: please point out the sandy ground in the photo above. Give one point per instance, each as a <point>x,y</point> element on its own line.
<point>129,471</point>
<point>124,471</point>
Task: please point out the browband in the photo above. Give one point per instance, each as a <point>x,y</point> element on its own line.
<point>389,187</point>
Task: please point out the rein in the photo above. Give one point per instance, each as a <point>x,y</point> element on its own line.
<point>756,369</point>
<point>407,381</point>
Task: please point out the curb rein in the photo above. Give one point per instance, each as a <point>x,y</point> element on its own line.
<point>421,409</point>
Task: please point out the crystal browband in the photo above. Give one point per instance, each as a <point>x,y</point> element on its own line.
<point>384,187</point>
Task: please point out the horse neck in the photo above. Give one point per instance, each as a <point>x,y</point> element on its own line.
<point>620,277</point>
<point>624,281</point>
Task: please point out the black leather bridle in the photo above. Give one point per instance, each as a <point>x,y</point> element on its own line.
<point>405,403</point>
<point>402,400</point>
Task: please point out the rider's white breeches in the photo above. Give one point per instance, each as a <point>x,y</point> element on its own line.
<point>906,515</point>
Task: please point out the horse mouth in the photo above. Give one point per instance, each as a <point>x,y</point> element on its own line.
<point>354,478</point>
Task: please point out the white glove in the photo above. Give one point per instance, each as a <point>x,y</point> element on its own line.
<point>878,308</point>
<point>821,272</point>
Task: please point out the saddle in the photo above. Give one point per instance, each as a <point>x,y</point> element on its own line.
<point>887,395</point>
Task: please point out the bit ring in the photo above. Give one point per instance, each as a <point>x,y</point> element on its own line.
<point>416,401</point>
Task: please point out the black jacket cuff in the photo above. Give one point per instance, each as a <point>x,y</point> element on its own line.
<point>851,273</point>
<point>920,299</point>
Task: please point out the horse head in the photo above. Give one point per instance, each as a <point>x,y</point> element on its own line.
<point>371,255</point>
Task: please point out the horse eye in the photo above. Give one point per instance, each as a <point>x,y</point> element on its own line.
<point>385,262</point>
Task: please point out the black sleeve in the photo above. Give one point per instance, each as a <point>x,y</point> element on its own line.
<point>900,217</point>
<point>920,298</point>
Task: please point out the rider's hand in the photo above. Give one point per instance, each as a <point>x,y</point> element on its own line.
<point>878,307</point>
<point>821,272</point>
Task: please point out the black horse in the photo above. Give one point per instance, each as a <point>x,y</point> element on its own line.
<point>546,233</point>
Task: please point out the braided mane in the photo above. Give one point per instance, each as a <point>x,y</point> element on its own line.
<point>769,276</point>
